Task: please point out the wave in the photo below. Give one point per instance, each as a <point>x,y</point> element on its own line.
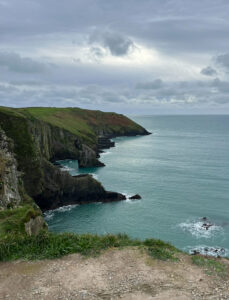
<point>201,229</point>
<point>65,168</point>
<point>106,152</point>
<point>207,250</point>
<point>95,176</point>
<point>48,215</point>
<point>128,200</point>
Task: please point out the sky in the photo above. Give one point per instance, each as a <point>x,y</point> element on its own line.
<point>128,56</point>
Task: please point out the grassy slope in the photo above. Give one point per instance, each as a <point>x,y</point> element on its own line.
<point>81,122</point>
<point>50,245</point>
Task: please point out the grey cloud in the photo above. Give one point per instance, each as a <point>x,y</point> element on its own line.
<point>187,32</point>
<point>223,60</point>
<point>208,71</point>
<point>222,86</point>
<point>15,63</point>
<point>96,96</point>
<point>171,25</point>
<point>155,84</point>
<point>117,44</point>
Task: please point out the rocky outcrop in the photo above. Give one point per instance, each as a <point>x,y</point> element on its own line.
<point>63,189</point>
<point>9,176</point>
<point>35,226</point>
<point>135,197</point>
<point>104,143</point>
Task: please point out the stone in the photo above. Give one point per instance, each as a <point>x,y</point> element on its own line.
<point>34,226</point>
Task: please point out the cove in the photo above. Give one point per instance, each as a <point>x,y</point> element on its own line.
<point>182,173</point>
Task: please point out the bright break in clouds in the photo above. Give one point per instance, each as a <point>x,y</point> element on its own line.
<point>149,56</point>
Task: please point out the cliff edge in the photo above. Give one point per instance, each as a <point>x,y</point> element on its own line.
<point>32,138</point>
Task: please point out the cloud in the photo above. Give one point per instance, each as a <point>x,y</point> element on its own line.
<point>223,60</point>
<point>208,71</point>
<point>117,44</point>
<point>114,54</point>
<point>15,63</point>
<point>155,84</point>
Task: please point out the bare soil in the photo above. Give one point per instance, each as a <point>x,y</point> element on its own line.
<point>128,274</point>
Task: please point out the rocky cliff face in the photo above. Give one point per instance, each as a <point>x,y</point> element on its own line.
<point>9,176</point>
<point>63,189</point>
<point>39,140</point>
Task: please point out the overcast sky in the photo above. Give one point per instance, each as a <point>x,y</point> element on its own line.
<point>128,56</point>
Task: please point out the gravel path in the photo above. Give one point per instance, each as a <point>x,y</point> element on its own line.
<point>127,274</point>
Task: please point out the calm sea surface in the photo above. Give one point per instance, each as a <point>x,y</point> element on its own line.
<point>182,173</point>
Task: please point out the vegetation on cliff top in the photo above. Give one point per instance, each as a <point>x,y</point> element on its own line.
<point>50,245</point>
<point>85,124</point>
<point>12,221</point>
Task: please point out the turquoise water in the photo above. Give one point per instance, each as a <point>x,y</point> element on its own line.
<point>182,173</point>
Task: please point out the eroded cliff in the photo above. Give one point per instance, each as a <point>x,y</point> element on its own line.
<point>42,135</point>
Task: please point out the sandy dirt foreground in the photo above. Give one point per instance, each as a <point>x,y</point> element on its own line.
<point>117,274</point>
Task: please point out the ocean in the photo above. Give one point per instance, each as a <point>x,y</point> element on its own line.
<point>181,172</point>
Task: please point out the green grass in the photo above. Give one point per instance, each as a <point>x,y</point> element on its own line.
<point>49,245</point>
<point>12,221</point>
<point>161,250</point>
<point>211,265</point>
<point>85,124</point>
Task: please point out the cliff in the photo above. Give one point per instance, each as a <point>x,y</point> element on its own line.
<point>32,138</point>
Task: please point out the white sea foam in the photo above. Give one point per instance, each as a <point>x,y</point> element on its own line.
<point>196,228</point>
<point>50,213</point>
<point>65,208</point>
<point>208,250</point>
<point>65,168</point>
<point>95,176</point>
<point>128,200</point>
<point>106,152</point>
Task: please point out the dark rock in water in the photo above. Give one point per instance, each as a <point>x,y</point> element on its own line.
<point>113,196</point>
<point>63,189</point>
<point>207,225</point>
<point>209,251</point>
<point>204,219</point>
<point>137,197</point>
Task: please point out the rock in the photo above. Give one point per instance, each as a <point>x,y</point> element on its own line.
<point>207,225</point>
<point>9,175</point>
<point>137,197</point>
<point>63,189</point>
<point>34,226</point>
<point>37,143</point>
<point>105,143</point>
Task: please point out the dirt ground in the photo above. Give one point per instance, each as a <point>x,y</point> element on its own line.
<point>126,274</point>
